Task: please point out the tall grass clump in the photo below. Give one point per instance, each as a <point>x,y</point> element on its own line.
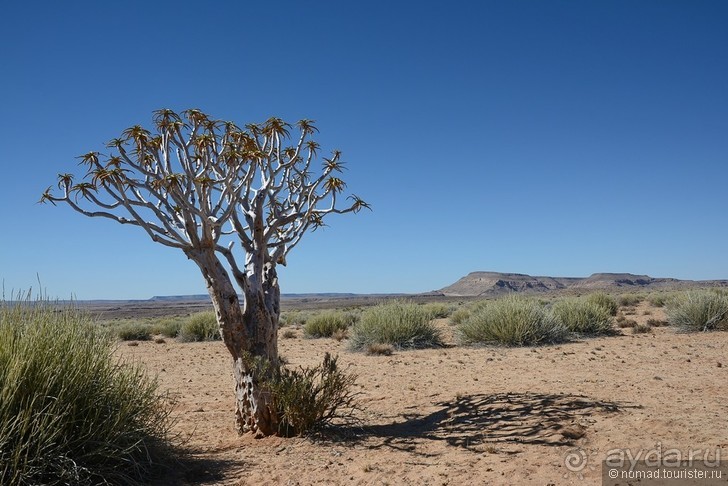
<point>604,300</point>
<point>325,324</point>
<point>583,316</point>
<point>512,321</point>
<point>201,326</point>
<point>400,323</point>
<point>459,316</point>
<point>70,412</point>
<point>699,311</point>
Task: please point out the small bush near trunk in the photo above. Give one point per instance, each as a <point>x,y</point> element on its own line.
<point>309,399</point>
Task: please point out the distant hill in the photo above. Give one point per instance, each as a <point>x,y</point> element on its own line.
<point>205,297</point>
<point>491,283</point>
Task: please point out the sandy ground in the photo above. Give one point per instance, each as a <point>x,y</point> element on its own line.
<point>462,415</point>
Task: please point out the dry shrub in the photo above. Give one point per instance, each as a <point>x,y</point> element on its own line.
<point>641,328</point>
<point>656,322</point>
<point>308,399</point>
<point>288,334</point>
<point>380,350</point>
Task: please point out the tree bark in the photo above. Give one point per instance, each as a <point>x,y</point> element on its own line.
<point>250,334</point>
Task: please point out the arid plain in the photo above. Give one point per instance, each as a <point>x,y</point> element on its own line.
<point>458,414</point>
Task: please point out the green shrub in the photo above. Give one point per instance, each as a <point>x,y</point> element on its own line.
<point>201,326</point>
<point>134,331</point>
<point>604,300</point>
<point>168,327</point>
<point>628,300</point>
<point>658,299</point>
<point>401,324</point>
<point>292,318</point>
<point>459,316</point>
<point>512,321</point>
<point>699,311</point>
<point>583,316</point>
<point>325,324</point>
<point>70,413</point>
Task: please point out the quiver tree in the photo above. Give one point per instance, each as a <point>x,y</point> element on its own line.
<point>202,186</point>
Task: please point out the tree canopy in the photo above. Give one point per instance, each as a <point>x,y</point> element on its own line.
<point>196,180</point>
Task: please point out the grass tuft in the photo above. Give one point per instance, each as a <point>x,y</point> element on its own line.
<point>380,350</point>
<point>134,331</point>
<point>459,316</point>
<point>201,326</point>
<point>641,328</point>
<point>512,321</point>
<point>583,316</point>
<point>630,300</point>
<point>604,300</point>
<point>400,323</point>
<point>326,324</point>
<point>169,327</point>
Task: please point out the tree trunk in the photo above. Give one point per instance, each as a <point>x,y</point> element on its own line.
<point>249,334</point>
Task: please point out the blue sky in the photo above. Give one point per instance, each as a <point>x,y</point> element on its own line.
<point>541,137</point>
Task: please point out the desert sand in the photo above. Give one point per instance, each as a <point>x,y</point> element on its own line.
<point>462,415</point>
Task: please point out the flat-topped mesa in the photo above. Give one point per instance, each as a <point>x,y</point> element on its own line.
<point>493,283</point>
<point>482,283</point>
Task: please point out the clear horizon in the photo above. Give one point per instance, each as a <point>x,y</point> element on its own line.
<point>545,138</point>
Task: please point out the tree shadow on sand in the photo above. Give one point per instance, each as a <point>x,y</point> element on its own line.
<point>190,469</point>
<point>471,421</point>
